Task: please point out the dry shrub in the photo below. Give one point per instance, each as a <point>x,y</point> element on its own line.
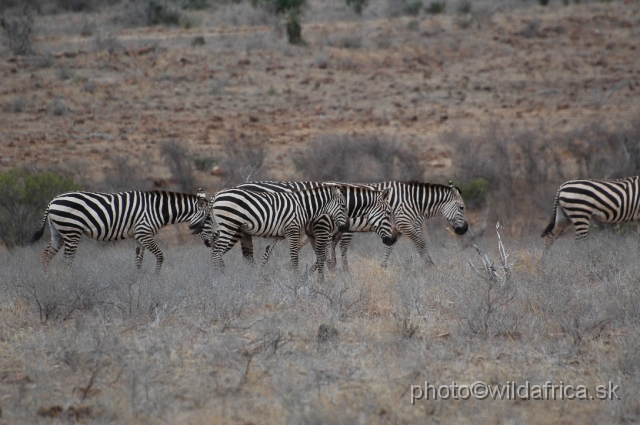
<point>180,163</point>
<point>512,160</point>
<point>124,174</point>
<point>243,159</point>
<point>357,159</point>
<point>17,32</point>
<point>171,346</point>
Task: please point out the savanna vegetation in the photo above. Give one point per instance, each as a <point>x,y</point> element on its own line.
<point>506,98</point>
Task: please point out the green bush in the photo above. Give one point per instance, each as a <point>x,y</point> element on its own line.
<point>205,163</point>
<point>436,7</point>
<point>195,4</point>
<point>24,196</point>
<point>474,192</point>
<point>357,5</point>
<point>412,8</point>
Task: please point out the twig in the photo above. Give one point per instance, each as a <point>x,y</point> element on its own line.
<point>609,92</point>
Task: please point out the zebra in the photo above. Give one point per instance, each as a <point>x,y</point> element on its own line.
<point>411,203</point>
<point>115,216</point>
<point>362,201</point>
<point>208,229</point>
<point>607,201</point>
<point>240,214</point>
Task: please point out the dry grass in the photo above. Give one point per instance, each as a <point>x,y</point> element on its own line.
<point>188,346</point>
<point>104,343</point>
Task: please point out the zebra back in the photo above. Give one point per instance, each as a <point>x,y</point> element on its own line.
<point>113,216</point>
<point>267,213</point>
<point>364,202</point>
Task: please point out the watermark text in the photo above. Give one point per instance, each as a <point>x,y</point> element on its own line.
<point>511,390</point>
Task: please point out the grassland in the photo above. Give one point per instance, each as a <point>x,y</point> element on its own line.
<point>104,343</point>
<point>521,96</point>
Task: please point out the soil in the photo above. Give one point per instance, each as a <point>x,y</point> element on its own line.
<point>79,102</point>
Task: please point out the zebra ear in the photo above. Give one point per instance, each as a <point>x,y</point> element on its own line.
<point>453,187</point>
<point>202,198</point>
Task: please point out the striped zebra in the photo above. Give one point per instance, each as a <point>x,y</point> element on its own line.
<point>115,216</point>
<point>411,203</point>
<point>607,201</point>
<point>361,200</point>
<point>208,231</point>
<point>240,214</point>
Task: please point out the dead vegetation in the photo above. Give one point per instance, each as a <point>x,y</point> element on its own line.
<point>506,97</point>
<point>138,347</point>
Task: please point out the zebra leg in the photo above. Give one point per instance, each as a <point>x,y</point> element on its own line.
<point>221,246</point>
<point>293,236</point>
<point>312,241</point>
<point>582,228</point>
<point>321,241</point>
<point>387,253</point>
<point>562,221</point>
<point>70,248</point>
<point>389,248</point>
<point>415,234</point>
<point>267,253</point>
<point>54,246</point>
<point>331,261</point>
<point>344,246</point>
<point>146,240</point>
<point>246,243</point>
<point>139,254</point>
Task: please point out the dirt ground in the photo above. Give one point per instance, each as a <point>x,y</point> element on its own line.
<point>112,92</point>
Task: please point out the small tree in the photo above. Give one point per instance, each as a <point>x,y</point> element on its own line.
<point>291,10</point>
<point>23,199</point>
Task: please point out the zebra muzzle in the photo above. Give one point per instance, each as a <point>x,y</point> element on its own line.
<point>389,240</point>
<point>462,229</point>
<point>344,227</point>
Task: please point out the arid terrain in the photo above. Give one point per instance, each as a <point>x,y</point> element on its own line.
<point>123,91</point>
<point>508,99</point>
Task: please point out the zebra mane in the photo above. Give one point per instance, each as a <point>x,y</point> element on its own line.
<point>419,183</point>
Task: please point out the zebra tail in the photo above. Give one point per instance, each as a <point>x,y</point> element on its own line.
<point>40,232</point>
<point>552,223</point>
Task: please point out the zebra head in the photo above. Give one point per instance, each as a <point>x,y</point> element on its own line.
<point>336,208</point>
<point>379,216</point>
<point>454,211</point>
<point>199,208</point>
<point>208,232</point>
<point>203,223</point>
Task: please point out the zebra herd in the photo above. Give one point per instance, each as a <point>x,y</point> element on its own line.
<point>327,213</point>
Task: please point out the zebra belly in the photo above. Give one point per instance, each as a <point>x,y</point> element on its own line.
<point>264,232</point>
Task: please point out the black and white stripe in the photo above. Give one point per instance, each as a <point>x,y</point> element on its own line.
<point>411,203</point>
<point>607,201</point>
<point>240,214</point>
<point>115,216</point>
<point>362,202</point>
